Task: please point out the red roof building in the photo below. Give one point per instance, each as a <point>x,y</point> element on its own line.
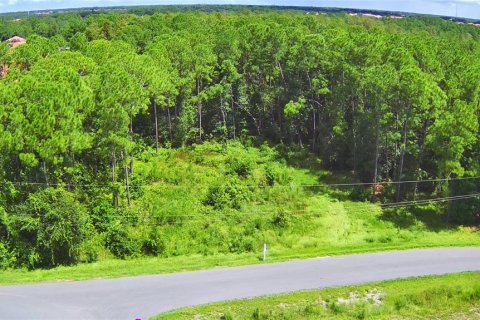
<point>16,41</point>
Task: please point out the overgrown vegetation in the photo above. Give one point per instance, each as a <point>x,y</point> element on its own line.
<point>191,203</point>
<point>127,136</point>
<point>446,297</point>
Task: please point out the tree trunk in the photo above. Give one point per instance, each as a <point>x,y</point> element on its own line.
<point>282,74</point>
<point>233,114</point>
<point>156,122</point>
<point>375,171</point>
<point>44,170</point>
<point>402,159</point>
<point>354,133</point>
<point>314,140</point>
<point>170,125</point>
<point>199,106</point>
<point>114,179</point>
<point>127,186</point>
<point>224,117</point>
<point>421,143</point>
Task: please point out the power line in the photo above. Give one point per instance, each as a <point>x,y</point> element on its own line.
<point>435,199</point>
<point>428,201</point>
<point>388,182</point>
<point>312,212</point>
<point>174,220</point>
<point>324,185</point>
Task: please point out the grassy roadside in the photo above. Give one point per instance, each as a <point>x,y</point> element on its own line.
<point>191,213</point>
<point>115,268</point>
<point>454,296</point>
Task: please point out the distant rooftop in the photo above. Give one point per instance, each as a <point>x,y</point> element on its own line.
<point>16,41</point>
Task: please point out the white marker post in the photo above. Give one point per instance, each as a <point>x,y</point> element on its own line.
<point>265,251</point>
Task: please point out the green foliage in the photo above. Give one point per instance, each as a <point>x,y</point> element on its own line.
<point>154,244</point>
<point>121,242</point>
<point>230,195</point>
<point>240,166</point>
<point>49,228</point>
<point>7,257</point>
<point>103,216</point>
<point>282,219</point>
<point>294,108</point>
<point>360,193</point>
<point>90,100</point>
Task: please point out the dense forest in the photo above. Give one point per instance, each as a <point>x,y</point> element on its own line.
<point>91,100</point>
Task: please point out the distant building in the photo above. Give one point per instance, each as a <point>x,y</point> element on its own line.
<point>370,15</point>
<point>15,41</point>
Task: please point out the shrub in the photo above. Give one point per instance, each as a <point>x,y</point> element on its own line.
<point>271,175</point>
<point>103,215</point>
<point>229,195</point>
<point>336,308</point>
<point>241,166</point>
<point>282,219</point>
<point>360,193</point>
<point>226,316</point>
<point>256,315</point>
<point>311,310</point>
<point>7,258</point>
<point>121,242</point>
<point>50,228</point>
<point>90,249</point>
<point>240,243</point>
<point>276,174</point>
<point>154,244</point>
<point>473,294</point>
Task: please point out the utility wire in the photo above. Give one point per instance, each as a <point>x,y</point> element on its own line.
<point>387,182</point>
<point>173,220</point>
<point>353,184</point>
<point>428,201</point>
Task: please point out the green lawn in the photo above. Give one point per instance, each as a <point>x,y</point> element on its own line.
<point>452,297</point>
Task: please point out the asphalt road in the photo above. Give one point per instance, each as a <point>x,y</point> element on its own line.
<point>142,297</point>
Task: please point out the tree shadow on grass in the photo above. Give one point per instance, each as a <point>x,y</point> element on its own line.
<point>432,218</point>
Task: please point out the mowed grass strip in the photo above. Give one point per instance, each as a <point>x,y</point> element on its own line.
<point>454,296</point>
<point>116,268</point>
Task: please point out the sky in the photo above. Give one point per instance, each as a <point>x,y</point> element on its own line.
<point>462,8</point>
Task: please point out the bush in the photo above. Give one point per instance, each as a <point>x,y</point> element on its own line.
<point>121,243</point>
<point>240,241</point>
<point>282,219</point>
<point>49,228</point>
<point>226,316</point>
<point>90,249</point>
<point>473,294</point>
<point>276,174</point>
<point>360,193</point>
<point>229,195</point>
<point>271,175</point>
<point>7,258</point>
<point>241,166</point>
<point>103,215</point>
<point>154,244</point>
